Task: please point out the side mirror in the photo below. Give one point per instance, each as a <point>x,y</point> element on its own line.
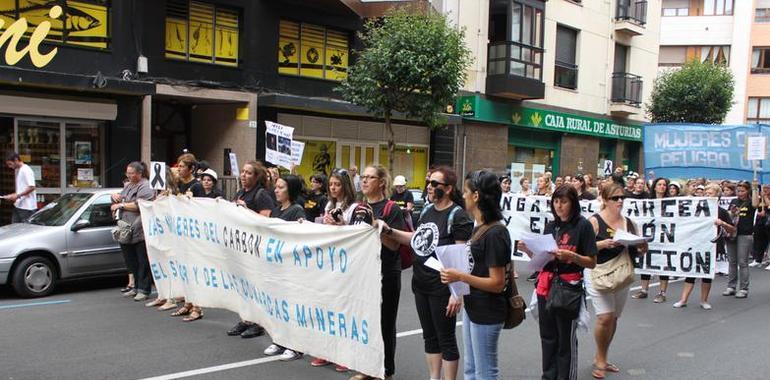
<point>80,224</point>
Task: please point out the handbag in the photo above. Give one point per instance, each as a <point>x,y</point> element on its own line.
<point>564,299</point>
<point>123,232</point>
<point>515,304</point>
<point>617,272</point>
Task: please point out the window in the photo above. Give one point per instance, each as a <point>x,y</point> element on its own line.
<point>715,54</point>
<point>760,60</point>
<point>672,55</point>
<point>677,55</point>
<point>675,7</point>
<point>312,51</point>
<point>762,11</point>
<point>201,32</point>
<point>759,111</point>
<point>98,214</point>
<point>522,49</point>
<point>566,69</point>
<point>87,20</point>
<point>717,7</point>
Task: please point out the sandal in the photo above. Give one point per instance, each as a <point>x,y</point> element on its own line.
<point>195,315</point>
<point>598,372</point>
<point>612,368</point>
<point>170,304</point>
<point>155,302</point>
<point>184,310</point>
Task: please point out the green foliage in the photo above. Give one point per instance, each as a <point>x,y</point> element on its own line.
<point>412,63</point>
<point>696,93</point>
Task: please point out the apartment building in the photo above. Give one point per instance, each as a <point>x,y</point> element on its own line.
<point>557,85</point>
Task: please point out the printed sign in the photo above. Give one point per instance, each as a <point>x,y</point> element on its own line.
<point>234,168</point>
<point>756,147</point>
<point>297,150</point>
<point>607,168</point>
<point>314,287</point>
<point>158,175</point>
<point>278,141</point>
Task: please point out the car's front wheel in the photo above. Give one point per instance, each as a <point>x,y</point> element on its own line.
<point>34,276</point>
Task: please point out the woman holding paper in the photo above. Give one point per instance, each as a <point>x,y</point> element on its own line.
<point>576,240</point>
<point>659,190</point>
<point>723,222</point>
<point>490,253</point>
<point>609,303</point>
<point>445,223</point>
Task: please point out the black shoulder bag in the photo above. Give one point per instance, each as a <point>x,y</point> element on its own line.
<point>564,299</point>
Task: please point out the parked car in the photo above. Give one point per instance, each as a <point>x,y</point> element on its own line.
<point>68,238</point>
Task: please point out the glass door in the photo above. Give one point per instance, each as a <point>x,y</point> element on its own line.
<point>39,146</point>
<point>360,155</point>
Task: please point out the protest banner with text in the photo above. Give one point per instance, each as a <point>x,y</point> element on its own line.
<point>315,288</point>
<point>681,230</point>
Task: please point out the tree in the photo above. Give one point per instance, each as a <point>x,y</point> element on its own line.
<point>413,62</point>
<point>696,93</point>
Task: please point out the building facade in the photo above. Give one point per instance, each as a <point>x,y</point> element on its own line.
<point>557,85</point>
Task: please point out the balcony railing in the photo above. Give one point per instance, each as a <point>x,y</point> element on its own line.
<point>565,75</point>
<point>514,58</point>
<point>626,88</point>
<point>632,10</point>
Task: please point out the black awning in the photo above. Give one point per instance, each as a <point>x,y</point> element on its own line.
<point>97,83</point>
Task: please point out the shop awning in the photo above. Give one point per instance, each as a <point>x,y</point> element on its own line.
<point>72,108</point>
<point>97,83</point>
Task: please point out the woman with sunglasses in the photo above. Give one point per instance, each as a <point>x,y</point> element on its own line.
<point>739,248</point>
<point>609,304</point>
<point>490,253</point>
<point>725,226</point>
<point>447,223</point>
<point>660,188</point>
<point>576,241</point>
<point>375,186</point>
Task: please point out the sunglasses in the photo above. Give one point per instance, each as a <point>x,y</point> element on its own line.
<point>618,198</point>
<point>342,172</point>
<point>434,183</point>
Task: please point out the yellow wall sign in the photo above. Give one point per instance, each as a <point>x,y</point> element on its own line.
<point>312,51</point>
<point>14,33</point>
<point>201,32</point>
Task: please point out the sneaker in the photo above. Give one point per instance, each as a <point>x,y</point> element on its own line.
<point>140,297</point>
<point>639,295</point>
<point>289,355</point>
<point>705,306</point>
<point>273,350</point>
<point>767,267</point>
<point>754,264</point>
<point>318,362</point>
<point>341,368</point>
<point>238,329</point>
<point>679,305</point>
<point>729,292</point>
<point>742,294</point>
<point>253,331</point>
<point>660,298</point>
<point>130,293</point>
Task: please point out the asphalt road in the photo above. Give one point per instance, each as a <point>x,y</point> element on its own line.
<point>88,331</point>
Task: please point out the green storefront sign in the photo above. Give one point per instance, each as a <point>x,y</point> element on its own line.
<point>476,108</point>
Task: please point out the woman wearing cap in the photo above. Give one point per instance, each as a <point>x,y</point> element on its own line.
<point>208,179</point>
<point>659,186</point>
<point>674,189</point>
<point>402,196</point>
<point>723,222</point>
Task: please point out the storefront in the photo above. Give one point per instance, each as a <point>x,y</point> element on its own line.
<point>540,139</point>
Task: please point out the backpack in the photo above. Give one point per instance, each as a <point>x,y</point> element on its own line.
<point>450,220</point>
<point>404,250</point>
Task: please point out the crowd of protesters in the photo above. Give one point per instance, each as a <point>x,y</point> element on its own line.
<point>463,211</point>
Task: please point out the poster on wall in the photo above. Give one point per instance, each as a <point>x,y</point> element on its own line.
<point>278,140</point>
<point>318,156</point>
<point>517,173</point>
<point>83,154</point>
<point>537,171</point>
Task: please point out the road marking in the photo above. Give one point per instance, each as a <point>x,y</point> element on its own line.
<point>43,303</point>
<point>225,367</point>
<point>685,354</point>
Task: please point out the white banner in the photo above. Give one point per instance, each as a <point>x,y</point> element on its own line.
<point>682,229</point>
<point>724,202</point>
<point>278,141</point>
<point>315,288</point>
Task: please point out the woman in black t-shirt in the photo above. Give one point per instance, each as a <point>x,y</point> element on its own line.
<point>316,199</point>
<point>739,249</point>
<point>660,188</point>
<point>490,253</point>
<point>576,240</point>
<point>445,222</point>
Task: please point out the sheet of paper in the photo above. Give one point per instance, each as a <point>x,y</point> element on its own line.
<point>541,247</point>
<point>628,239</point>
<point>434,264</point>
<point>455,256</point>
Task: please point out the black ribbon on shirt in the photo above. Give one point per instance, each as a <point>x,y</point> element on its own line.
<point>157,177</point>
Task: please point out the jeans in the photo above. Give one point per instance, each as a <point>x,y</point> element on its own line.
<point>438,330</point>
<point>481,343</point>
<point>738,252</point>
<point>137,262</point>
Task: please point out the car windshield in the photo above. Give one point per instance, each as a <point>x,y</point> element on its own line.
<point>59,211</point>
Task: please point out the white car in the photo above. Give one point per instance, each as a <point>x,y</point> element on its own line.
<point>68,238</point>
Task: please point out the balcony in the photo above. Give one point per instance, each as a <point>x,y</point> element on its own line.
<point>626,97</point>
<point>631,16</point>
<point>565,75</point>
<point>515,71</point>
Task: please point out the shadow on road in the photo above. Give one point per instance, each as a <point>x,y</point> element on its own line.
<point>71,286</point>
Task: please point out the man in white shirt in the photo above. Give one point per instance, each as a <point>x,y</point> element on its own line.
<point>25,198</point>
<point>356,178</point>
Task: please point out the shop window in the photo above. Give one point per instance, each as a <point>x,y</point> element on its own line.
<point>760,60</point>
<point>566,68</point>
<point>202,32</point>
<point>312,51</point>
<point>82,23</point>
<point>759,111</point>
<point>535,161</point>
<point>762,13</point>
<point>410,162</point>
<point>83,168</point>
